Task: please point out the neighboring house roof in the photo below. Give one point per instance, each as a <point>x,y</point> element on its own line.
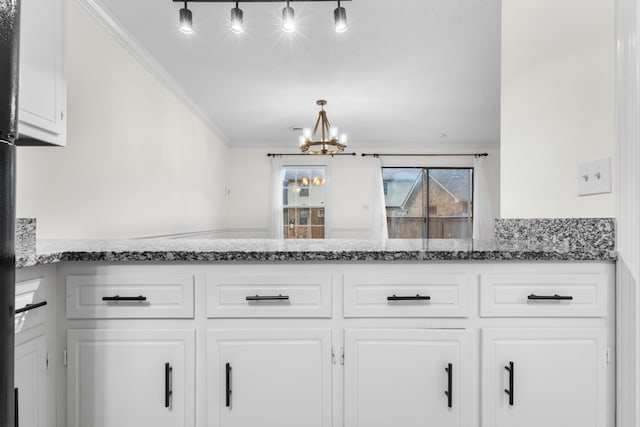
<point>405,187</point>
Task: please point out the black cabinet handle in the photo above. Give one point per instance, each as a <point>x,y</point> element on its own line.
<point>509,391</point>
<point>418,297</point>
<point>228,385</point>
<point>555,297</point>
<point>168,392</point>
<point>16,407</point>
<point>30,307</point>
<point>449,391</point>
<point>268,298</point>
<point>119,298</point>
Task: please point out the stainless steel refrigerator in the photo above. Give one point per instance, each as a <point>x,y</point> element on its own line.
<point>9,50</point>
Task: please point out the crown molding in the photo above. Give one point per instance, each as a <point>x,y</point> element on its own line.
<point>144,57</point>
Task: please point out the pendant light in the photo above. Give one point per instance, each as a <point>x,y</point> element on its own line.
<point>237,20</point>
<point>340,16</point>
<point>328,141</point>
<point>186,20</point>
<point>288,19</point>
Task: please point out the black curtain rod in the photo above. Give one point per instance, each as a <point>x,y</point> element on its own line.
<point>305,154</point>
<point>428,155</point>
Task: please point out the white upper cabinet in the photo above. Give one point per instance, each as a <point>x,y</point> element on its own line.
<point>42,90</point>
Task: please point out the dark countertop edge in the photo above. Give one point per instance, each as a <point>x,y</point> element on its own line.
<point>345,256</point>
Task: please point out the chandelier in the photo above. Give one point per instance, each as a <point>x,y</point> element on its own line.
<point>237,15</point>
<point>330,141</point>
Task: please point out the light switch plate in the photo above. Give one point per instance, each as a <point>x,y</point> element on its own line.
<point>594,177</point>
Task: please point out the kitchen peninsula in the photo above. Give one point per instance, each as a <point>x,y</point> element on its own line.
<point>234,333</point>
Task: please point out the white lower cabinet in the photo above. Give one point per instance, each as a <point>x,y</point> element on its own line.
<point>544,377</point>
<point>131,378</point>
<point>269,378</point>
<point>31,382</point>
<point>406,377</point>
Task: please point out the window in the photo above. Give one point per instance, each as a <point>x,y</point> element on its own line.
<point>434,203</point>
<point>303,200</point>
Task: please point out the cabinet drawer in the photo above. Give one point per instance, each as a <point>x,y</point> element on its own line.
<point>543,295</point>
<point>129,297</point>
<point>30,292</point>
<point>230,296</point>
<point>409,295</point>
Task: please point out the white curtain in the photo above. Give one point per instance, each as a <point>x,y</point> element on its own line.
<point>275,199</point>
<point>379,226</point>
<point>482,212</point>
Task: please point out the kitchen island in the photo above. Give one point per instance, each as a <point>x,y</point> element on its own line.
<point>319,333</point>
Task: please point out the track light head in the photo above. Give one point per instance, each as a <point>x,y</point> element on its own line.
<point>288,19</point>
<point>237,20</point>
<point>186,20</point>
<point>340,16</point>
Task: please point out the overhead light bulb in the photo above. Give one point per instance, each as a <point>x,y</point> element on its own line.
<point>288,19</point>
<point>343,139</point>
<point>333,132</point>
<point>186,20</point>
<point>306,133</point>
<point>302,140</point>
<point>340,16</point>
<point>237,20</point>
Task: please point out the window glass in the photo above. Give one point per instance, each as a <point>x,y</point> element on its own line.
<point>435,203</point>
<point>303,200</point>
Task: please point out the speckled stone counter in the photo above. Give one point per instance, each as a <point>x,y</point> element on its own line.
<point>220,250</point>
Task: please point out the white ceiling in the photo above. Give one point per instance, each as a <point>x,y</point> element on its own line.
<point>406,72</point>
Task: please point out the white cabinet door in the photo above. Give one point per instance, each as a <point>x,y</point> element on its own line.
<point>42,81</point>
<point>408,378</point>
<point>544,377</point>
<point>129,378</point>
<point>31,382</point>
<point>269,378</point>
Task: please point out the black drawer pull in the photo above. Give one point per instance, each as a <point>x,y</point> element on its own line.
<point>268,298</point>
<point>228,385</point>
<point>168,392</point>
<point>449,391</point>
<point>417,297</point>
<point>16,407</point>
<point>119,298</point>
<point>555,297</point>
<point>30,307</point>
<point>509,391</point>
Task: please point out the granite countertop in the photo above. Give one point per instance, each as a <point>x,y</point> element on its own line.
<point>164,249</point>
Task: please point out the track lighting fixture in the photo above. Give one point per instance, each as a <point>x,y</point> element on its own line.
<point>186,20</point>
<point>288,19</point>
<point>340,16</point>
<point>236,20</point>
<point>237,15</point>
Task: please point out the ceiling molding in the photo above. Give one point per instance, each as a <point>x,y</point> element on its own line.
<point>148,61</point>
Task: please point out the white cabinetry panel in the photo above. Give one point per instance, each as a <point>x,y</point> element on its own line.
<point>556,377</point>
<point>276,378</point>
<point>42,71</point>
<point>31,381</point>
<point>401,377</point>
<point>30,292</point>
<point>269,295</point>
<point>130,296</point>
<point>436,295</point>
<point>543,295</point>
<point>118,378</point>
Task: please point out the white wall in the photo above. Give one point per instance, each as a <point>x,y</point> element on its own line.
<point>557,104</point>
<point>350,181</point>
<point>137,162</point>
